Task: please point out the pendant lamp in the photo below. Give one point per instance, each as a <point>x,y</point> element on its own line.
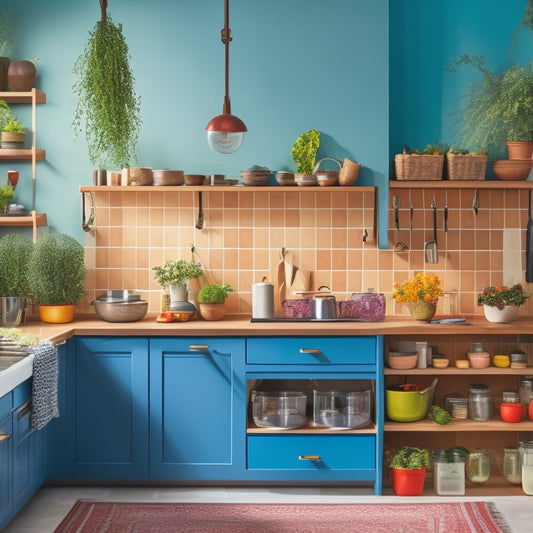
<point>225,132</point>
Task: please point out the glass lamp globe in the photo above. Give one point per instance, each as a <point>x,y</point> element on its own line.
<point>225,142</point>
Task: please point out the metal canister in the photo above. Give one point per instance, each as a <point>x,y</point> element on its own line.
<point>479,402</point>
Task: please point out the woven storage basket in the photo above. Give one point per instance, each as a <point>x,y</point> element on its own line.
<point>466,166</point>
<point>418,167</point>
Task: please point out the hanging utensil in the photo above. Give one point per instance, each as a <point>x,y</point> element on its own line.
<point>475,202</point>
<point>399,246</point>
<point>445,219</point>
<point>411,211</point>
<point>431,250</point>
<point>529,241</point>
<point>200,220</point>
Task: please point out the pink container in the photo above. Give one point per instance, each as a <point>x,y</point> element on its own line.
<point>479,359</point>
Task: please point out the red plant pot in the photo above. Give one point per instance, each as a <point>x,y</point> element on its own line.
<point>408,482</point>
<point>511,412</point>
<point>530,410</point>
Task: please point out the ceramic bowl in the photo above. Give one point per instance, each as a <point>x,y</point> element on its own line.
<point>194,179</point>
<point>479,359</point>
<point>501,361</point>
<point>255,177</point>
<point>327,178</point>
<point>402,361</point>
<point>305,180</point>
<point>286,179</point>
<point>168,177</point>
<point>512,169</point>
<point>462,363</point>
<point>511,412</point>
<point>440,362</point>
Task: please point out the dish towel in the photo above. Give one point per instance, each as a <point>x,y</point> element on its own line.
<point>44,387</point>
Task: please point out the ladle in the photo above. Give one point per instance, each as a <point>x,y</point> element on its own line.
<point>431,250</point>
<point>399,246</point>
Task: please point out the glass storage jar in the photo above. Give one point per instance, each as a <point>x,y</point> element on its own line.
<point>526,460</point>
<point>510,396</point>
<point>449,473</point>
<point>478,466</point>
<point>479,402</point>
<point>511,466</point>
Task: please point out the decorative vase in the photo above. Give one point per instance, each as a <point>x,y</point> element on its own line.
<point>501,316</point>
<point>407,482</point>
<point>21,75</point>
<point>213,311</point>
<point>57,314</point>
<point>179,299</point>
<point>519,149</point>
<point>422,310</point>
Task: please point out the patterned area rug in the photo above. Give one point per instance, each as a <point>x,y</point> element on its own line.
<point>98,517</point>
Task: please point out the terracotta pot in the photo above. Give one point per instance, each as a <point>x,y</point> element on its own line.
<point>520,149</point>
<point>57,314</point>
<point>4,66</point>
<point>422,310</point>
<point>21,76</point>
<point>408,482</point>
<point>501,316</point>
<point>212,311</point>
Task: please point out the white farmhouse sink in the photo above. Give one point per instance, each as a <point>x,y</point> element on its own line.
<point>14,370</point>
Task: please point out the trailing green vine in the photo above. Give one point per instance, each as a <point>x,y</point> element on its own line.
<point>108,110</point>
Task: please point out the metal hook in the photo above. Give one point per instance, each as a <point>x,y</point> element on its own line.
<point>87,224</point>
<point>200,219</point>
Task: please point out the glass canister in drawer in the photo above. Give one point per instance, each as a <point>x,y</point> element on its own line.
<point>365,306</point>
<point>341,410</point>
<point>279,409</point>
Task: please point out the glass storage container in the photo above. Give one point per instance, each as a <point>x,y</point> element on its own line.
<point>526,460</point>
<point>479,402</point>
<point>449,473</point>
<point>512,472</point>
<point>478,466</point>
<point>279,410</point>
<point>341,410</point>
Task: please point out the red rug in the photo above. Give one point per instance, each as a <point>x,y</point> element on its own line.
<point>106,517</point>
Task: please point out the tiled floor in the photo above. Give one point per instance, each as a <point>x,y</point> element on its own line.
<point>47,508</point>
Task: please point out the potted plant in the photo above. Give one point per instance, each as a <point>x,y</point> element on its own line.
<point>108,110</point>
<point>304,156</point>
<point>212,301</point>
<point>56,276</point>
<point>15,254</point>
<point>408,467</point>
<point>420,293</point>
<point>175,275</point>
<point>501,304</point>
<point>499,108</point>
<point>13,134</point>
<point>6,115</point>
<point>6,194</point>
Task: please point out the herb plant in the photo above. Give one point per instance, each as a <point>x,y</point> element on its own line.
<point>57,270</point>
<point>6,193</point>
<point>213,294</point>
<point>177,272</point>
<point>108,110</point>
<point>15,255</point>
<point>15,126</point>
<point>304,151</point>
<point>6,115</point>
<point>410,458</point>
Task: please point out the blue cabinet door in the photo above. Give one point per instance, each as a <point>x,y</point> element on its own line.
<point>110,408</point>
<point>22,463</point>
<point>197,418</point>
<point>6,470</point>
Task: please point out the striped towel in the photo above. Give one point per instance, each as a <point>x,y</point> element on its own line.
<point>44,387</point>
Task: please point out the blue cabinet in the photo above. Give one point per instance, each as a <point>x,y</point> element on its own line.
<point>6,466</point>
<point>109,408</point>
<point>197,398</point>
<point>311,453</point>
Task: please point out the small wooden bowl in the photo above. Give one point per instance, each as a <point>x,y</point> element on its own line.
<point>440,362</point>
<point>402,362</point>
<point>194,179</point>
<point>512,169</point>
<point>462,363</point>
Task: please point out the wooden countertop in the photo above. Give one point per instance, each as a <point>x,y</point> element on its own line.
<point>239,325</point>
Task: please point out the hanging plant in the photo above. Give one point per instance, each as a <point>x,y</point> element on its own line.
<point>108,109</point>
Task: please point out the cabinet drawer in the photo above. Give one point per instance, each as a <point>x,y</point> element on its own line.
<point>6,404</point>
<point>311,350</point>
<point>332,452</point>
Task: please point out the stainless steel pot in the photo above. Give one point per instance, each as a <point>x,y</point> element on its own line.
<point>120,311</point>
<point>324,307</point>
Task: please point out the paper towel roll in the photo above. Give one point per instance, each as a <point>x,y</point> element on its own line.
<point>262,300</point>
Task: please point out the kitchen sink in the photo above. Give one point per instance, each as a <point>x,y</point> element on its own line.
<point>14,369</point>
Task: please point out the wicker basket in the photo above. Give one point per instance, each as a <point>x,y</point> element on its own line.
<point>466,166</point>
<point>418,167</point>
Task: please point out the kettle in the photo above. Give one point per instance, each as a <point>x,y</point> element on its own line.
<point>323,305</point>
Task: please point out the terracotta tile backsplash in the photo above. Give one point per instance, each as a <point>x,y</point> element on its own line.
<point>245,231</point>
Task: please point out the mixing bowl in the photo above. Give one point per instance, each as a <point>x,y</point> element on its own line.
<point>120,311</point>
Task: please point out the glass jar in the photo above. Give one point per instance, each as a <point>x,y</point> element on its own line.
<point>479,402</point>
<point>526,392</point>
<point>449,473</point>
<point>478,466</point>
<point>510,396</point>
<point>511,466</point>
<point>526,460</point>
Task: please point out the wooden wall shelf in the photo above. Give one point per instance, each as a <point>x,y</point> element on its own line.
<point>24,221</point>
<point>22,155</point>
<point>459,184</point>
<point>18,97</point>
<point>219,188</point>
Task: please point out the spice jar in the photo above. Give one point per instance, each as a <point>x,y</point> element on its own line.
<point>479,402</point>
<point>449,473</point>
<point>526,460</point>
<point>478,466</point>
<point>511,466</point>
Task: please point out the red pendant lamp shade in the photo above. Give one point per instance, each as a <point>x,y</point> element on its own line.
<point>225,132</point>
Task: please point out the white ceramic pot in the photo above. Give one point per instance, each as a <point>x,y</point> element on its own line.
<point>501,316</point>
<point>178,293</point>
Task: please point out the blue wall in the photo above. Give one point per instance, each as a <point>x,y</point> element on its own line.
<point>294,65</point>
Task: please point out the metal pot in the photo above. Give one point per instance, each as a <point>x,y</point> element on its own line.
<point>120,311</point>
<point>324,307</point>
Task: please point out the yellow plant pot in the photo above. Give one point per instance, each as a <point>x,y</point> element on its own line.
<point>57,314</point>
<point>422,310</point>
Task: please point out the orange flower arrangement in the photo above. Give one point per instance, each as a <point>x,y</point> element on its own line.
<point>423,286</point>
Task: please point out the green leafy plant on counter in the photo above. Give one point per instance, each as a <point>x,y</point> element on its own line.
<point>15,256</point>
<point>57,270</point>
<point>108,109</point>
<point>439,415</point>
<point>410,458</point>
<point>177,272</point>
<point>304,151</point>
<point>15,126</point>
<point>213,294</point>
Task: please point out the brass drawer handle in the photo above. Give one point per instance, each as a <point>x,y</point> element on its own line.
<point>311,350</point>
<point>24,410</point>
<point>309,458</point>
<point>4,437</point>
<point>199,347</point>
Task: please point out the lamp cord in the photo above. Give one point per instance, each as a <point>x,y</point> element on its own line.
<point>226,39</point>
